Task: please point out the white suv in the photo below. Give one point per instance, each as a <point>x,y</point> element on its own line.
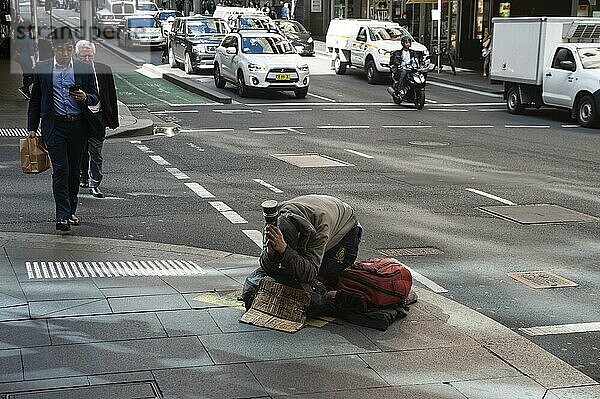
<point>260,60</point>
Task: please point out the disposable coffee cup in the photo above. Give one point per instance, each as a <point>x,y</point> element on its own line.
<point>270,211</point>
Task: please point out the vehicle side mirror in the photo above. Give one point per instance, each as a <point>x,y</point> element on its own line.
<point>567,66</point>
<point>231,50</point>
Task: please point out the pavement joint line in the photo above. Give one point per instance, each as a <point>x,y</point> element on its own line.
<point>199,190</point>
<point>268,185</point>
<point>491,196</point>
<point>562,329</point>
<point>179,175</point>
<point>227,212</point>
<point>360,154</point>
<point>433,286</point>
<point>255,235</point>
<point>159,160</point>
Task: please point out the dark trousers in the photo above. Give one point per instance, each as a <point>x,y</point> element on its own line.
<point>341,256</point>
<point>65,144</point>
<point>91,161</point>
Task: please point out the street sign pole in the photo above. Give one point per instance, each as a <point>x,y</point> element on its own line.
<point>85,18</point>
<point>439,35</point>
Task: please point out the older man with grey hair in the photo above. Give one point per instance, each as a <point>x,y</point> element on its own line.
<point>106,115</point>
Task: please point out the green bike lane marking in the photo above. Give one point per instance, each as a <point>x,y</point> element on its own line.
<point>135,88</point>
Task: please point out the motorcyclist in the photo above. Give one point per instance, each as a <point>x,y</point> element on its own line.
<point>400,61</point>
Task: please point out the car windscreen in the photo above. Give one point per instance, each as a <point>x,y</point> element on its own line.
<point>590,57</point>
<point>203,27</point>
<point>163,16</point>
<point>266,45</point>
<point>291,27</point>
<point>254,23</point>
<point>388,33</point>
<point>142,23</point>
<point>147,7</point>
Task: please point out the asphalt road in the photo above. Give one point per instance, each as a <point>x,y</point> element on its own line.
<point>416,179</point>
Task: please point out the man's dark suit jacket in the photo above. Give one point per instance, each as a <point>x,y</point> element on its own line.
<point>108,95</point>
<point>41,104</point>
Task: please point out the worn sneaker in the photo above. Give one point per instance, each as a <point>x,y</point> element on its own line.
<point>63,225</point>
<point>95,191</point>
<point>74,220</point>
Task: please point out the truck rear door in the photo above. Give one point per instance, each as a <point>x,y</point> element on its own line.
<point>559,81</point>
<point>359,48</point>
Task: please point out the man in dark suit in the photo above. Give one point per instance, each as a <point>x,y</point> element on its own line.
<point>106,113</point>
<point>62,88</point>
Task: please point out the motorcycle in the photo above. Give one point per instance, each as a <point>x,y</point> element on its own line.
<point>414,89</point>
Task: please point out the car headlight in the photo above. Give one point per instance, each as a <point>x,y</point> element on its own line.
<point>256,67</point>
<point>310,40</point>
<point>303,68</point>
<point>200,48</point>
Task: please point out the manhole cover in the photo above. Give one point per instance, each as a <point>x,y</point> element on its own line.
<point>538,214</point>
<point>311,160</point>
<point>416,251</point>
<point>542,279</point>
<point>429,143</point>
<point>135,390</point>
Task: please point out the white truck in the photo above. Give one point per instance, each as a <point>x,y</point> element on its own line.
<point>549,61</point>
<point>366,44</point>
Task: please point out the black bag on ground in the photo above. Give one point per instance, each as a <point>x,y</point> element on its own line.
<point>379,319</point>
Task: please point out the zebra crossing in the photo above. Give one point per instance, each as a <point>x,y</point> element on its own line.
<point>66,270</point>
<point>13,132</point>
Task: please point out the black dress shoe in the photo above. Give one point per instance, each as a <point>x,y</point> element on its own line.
<point>95,191</point>
<point>63,225</point>
<point>74,220</point>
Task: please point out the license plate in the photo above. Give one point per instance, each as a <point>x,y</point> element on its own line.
<point>282,76</point>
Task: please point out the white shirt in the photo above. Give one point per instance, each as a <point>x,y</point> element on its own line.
<point>405,57</point>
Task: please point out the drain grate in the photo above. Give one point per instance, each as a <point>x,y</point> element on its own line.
<point>414,251</point>
<point>538,214</point>
<point>128,390</point>
<point>542,279</point>
<point>311,160</point>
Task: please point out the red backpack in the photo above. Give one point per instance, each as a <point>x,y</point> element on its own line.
<point>375,283</point>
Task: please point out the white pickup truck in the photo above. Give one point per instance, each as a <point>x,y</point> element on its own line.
<point>366,44</point>
<point>549,61</point>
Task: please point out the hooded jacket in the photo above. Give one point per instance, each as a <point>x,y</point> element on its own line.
<point>311,224</point>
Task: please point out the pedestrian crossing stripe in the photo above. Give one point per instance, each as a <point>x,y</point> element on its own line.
<point>13,132</point>
<point>142,268</point>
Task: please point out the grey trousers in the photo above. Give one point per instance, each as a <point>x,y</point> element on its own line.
<point>91,165</point>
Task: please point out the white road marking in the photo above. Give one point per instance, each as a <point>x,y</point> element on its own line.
<point>358,153</point>
<point>467,104</point>
<point>469,126</point>
<point>177,173</point>
<point>289,109</point>
<point>226,211</point>
<point>492,196</point>
<point>159,160</point>
<point>425,281</point>
<point>135,142</point>
<point>199,190</point>
<point>407,127</point>
<point>144,149</point>
<point>570,126</point>
<point>37,270</point>
<point>29,269</point>
<point>267,185</point>
<point>343,127</point>
<point>431,101</point>
<point>290,129</point>
<point>237,111</point>
<point>194,146</point>
<point>562,329</point>
<point>256,236</point>
<point>447,110</point>
<point>398,109</point>
<point>343,109</point>
<point>112,269</point>
<point>321,97</point>
<point>492,110</point>
<point>205,130</point>
<point>314,104</point>
<point>482,93</point>
<point>188,111</point>
<point>527,126</point>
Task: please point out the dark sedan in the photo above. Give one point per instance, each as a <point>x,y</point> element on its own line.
<point>297,34</point>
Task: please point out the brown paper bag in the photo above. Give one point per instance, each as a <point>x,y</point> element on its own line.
<point>34,155</point>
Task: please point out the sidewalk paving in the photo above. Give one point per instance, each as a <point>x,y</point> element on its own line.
<point>179,335</point>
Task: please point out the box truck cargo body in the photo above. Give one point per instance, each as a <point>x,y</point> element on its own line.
<point>549,61</point>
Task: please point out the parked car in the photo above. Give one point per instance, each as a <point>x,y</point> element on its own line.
<point>146,7</point>
<point>165,18</point>
<point>252,22</point>
<point>260,60</point>
<point>297,34</point>
<point>193,42</point>
<point>111,15</point>
<point>139,31</point>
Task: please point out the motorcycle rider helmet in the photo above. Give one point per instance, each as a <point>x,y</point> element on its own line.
<point>406,40</point>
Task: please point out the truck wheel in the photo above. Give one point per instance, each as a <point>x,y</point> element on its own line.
<point>242,89</point>
<point>219,81</point>
<point>172,61</point>
<point>372,73</point>
<point>188,67</point>
<point>513,102</point>
<point>587,116</point>
<point>420,99</point>
<point>339,67</point>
